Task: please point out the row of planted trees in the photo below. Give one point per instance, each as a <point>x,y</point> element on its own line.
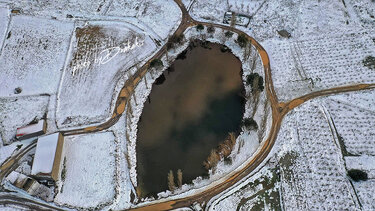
<point>171,181</point>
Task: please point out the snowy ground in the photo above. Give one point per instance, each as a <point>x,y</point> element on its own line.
<point>162,16</point>
<point>33,55</point>
<point>61,9</point>
<point>316,63</point>
<point>329,40</point>
<point>125,192</point>
<point>317,143</point>
<point>259,192</point>
<point>4,20</point>
<point>365,191</point>
<point>311,160</point>
<point>313,170</point>
<point>17,112</point>
<point>102,53</point>
<point>353,115</point>
<point>88,174</point>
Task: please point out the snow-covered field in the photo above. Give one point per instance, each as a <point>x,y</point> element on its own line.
<point>261,191</point>
<point>33,55</point>
<point>61,9</point>
<point>56,52</point>
<point>353,115</point>
<point>4,20</point>
<point>102,53</point>
<point>162,16</point>
<point>88,172</point>
<point>17,112</point>
<point>365,191</point>
<point>313,174</point>
<point>316,63</point>
<point>364,162</point>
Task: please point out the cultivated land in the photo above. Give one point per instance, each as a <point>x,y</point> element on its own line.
<point>316,112</point>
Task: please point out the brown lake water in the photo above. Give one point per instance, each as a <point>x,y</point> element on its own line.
<point>189,113</point>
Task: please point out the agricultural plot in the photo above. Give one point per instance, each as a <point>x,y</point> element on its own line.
<point>365,191</point>
<point>87,178</point>
<point>4,20</point>
<point>317,63</point>
<point>300,18</point>
<point>259,192</point>
<point>162,16</point>
<point>313,174</point>
<point>15,113</point>
<point>354,122</point>
<point>100,56</point>
<point>62,9</point>
<point>365,10</point>
<point>246,7</point>
<point>209,10</point>
<point>364,163</point>
<point>33,56</point>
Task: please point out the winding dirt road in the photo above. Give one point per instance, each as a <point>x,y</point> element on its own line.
<point>279,110</point>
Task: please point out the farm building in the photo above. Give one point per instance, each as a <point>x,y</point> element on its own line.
<point>47,157</point>
<point>32,130</point>
<point>240,20</point>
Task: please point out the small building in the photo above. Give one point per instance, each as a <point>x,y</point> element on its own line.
<point>32,130</point>
<point>23,182</point>
<point>240,20</point>
<point>46,163</point>
<point>31,186</point>
<point>284,33</point>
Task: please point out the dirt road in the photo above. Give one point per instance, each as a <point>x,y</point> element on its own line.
<point>279,110</point>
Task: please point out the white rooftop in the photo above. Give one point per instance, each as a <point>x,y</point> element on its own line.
<point>45,154</point>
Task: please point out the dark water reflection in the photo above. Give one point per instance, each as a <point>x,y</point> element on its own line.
<point>189,114</point>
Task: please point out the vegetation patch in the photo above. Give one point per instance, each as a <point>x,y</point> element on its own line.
<point>357,175</point>
<point>156,63</point>
<point>200,27</point>
<point>175,40</point>
<point>369,62</point>
<point>228,34</point>
<point>211,29</point>
<point>256,82</point>
<point>242,40</point>
<point>250,124</point>
<point>222,151</point>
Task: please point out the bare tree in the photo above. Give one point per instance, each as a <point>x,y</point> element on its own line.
<point>233,20</point>
<point>212,160</point>
<point>179,178</point>
<point>171,184</point>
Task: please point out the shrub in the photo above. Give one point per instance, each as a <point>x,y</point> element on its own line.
<point>212,160</point>
<point>224,49</point>
<point>200,27</point>
<point>226,147</point>
<point>175,39</point>
<point>171,184</point>
<point>211,29</point>
<point>228,34</point>
<point>357,175</point>
<point>250,124</point>
<point>255,81</point>
<point>182,55</point>
<point>179,178</point>
<point>156,63</point>
<point>369,62</point>
<point>242,40</point>
<point>223,151</point>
